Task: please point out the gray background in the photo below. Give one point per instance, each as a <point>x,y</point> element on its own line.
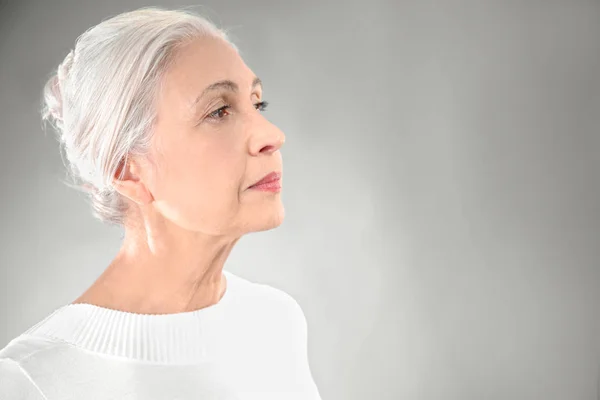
<point>442,194</point>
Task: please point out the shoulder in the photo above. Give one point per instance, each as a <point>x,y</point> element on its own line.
<point>24,346</point>
<point>262,292</point>
<point>273,303</point>
<point>16,381</point>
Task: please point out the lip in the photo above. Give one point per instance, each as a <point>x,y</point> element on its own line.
<point>271,177</point>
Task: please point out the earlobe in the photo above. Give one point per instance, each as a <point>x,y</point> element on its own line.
<point>144,195</point>
<point>130,185</point>
<point>134,190</point>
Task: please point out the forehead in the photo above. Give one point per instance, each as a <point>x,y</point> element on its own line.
<point>201,63</point>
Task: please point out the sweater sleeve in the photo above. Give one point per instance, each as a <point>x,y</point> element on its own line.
<point>302,343</point>
<point>15,383</point>
<point>306,361</point>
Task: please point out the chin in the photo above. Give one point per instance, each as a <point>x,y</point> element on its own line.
<point>265,219</point>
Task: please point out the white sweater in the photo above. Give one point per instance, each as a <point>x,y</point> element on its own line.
<point>252,344</point>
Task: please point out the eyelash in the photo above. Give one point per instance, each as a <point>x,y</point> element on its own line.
<point>262,106</point>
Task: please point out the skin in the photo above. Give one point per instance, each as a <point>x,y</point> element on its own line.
<point>189,201</point>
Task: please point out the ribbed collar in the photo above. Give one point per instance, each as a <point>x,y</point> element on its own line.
<point>162,338</point>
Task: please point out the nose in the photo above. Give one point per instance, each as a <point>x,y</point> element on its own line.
<point>266,137</point>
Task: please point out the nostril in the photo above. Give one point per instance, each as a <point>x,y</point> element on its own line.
<point>267,148</point>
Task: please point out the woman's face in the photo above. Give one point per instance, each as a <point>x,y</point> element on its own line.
<point>205,156</point>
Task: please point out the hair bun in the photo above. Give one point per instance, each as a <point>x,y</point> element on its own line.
<point>53,93</point>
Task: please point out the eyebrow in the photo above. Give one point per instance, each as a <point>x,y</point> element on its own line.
<point>225,85</point>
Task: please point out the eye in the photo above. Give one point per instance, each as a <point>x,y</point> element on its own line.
<point>217,114</point>
<point>262,106</point>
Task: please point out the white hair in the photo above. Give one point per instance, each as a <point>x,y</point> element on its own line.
<point>101,99</point>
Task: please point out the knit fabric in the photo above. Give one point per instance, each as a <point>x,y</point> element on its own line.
<point>252,344</point>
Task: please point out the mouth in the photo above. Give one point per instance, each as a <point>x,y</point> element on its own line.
<point>270,178</point>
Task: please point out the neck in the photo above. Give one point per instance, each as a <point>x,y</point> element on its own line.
<point>161,274</point>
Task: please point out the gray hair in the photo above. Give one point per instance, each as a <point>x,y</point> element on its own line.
<point>101,98</point>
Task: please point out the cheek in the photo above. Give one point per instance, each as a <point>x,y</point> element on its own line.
<point>199,186</point>
<point>205,174</point>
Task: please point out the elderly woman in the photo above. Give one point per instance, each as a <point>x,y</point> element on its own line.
<point>162,124</point>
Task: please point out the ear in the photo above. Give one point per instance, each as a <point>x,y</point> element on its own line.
<point>131,184</point>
